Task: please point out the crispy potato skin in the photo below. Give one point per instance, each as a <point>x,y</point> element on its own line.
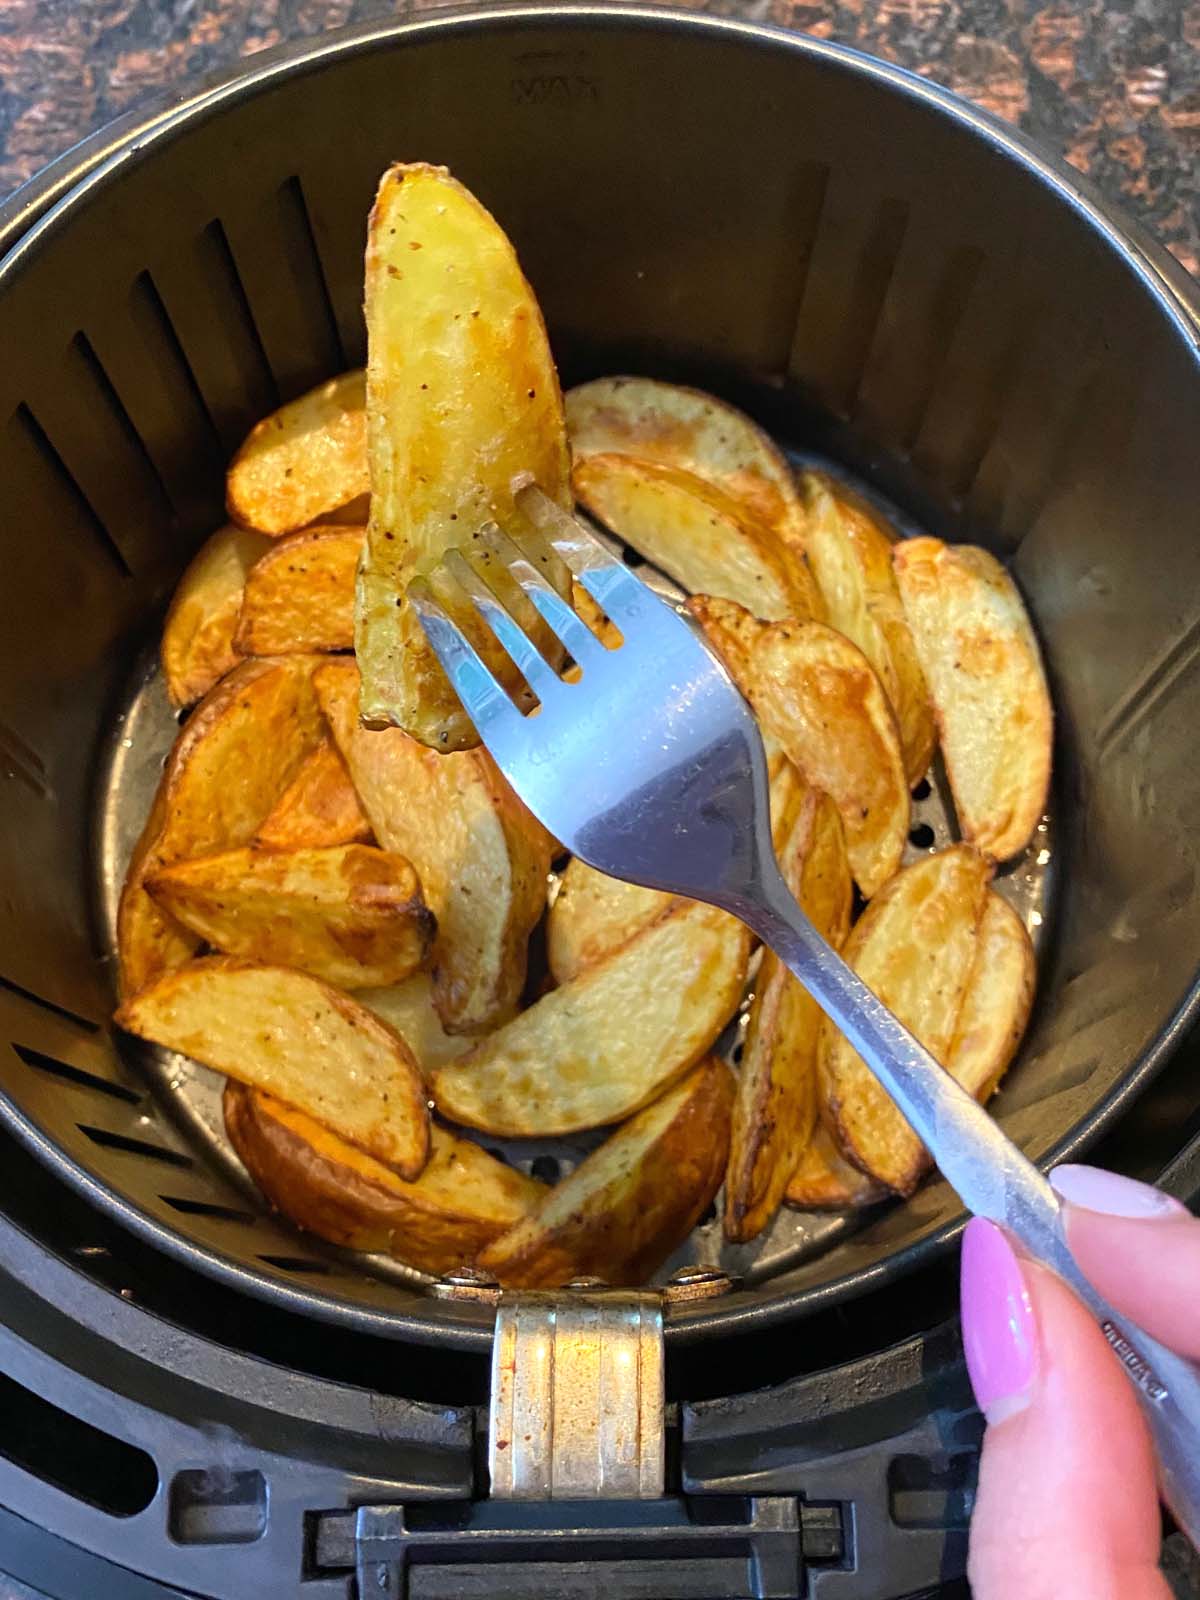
<point>608,1042</point>
<point>999,998</point>
<point>914,947</point>
<point>350,914</point>
<point>300,594</point>
<point>318,807</point>
<point>462,1200</point>
<point>697,533</point>
<point>850,551</point>
<point>825,1181</point>
<point>304,460</point>
<point>481,858</point>
<point>241,746</point>
<point>197,643</point>
<point>818,696</point>
<point>631,1202</point>
<point>694,432</point>
<point>287,1032</point>
<point>980,656</point>
<point>776,1096</point>
<point>462,397</point>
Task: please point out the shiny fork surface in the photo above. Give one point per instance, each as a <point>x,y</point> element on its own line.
<point>651,768</point>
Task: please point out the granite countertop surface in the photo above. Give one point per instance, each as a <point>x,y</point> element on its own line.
<point>1114,85</point>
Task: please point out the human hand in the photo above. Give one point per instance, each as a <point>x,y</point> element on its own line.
<point>1067,1507</point>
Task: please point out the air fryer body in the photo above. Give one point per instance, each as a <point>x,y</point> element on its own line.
<point>874,270</point>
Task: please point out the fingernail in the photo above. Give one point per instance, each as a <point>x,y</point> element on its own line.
<point>999,1328</point>
<point>1111,1194</point>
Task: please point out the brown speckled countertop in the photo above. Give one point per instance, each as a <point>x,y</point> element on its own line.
<point>1112,84</point>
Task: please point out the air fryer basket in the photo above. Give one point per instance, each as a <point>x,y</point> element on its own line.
<point>881,274</point>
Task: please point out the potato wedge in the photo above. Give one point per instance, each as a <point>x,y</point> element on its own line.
<point>623,1210</point>
<point>696,533</point>
<point>287,1032</point>
<point>318,807</point>
<point>819,697</point>
<point>350,913</point>
<point>197,642</point>
<point>694,432</point>
<point>304,460</point>
<point>776,1093</point>
<point>825,1181</point>
<point>914,947</point>
<point>603,1045</point>
<point>850,552</point>
<point>241,746</point>
<point>593,913</point>
<point>408,1007</point>
<point>462,1201</point>
<point>481,858</point>
<point>462,397</point>
<point>995,1009</point>
<point>980,656</point>
<point>300,595</point>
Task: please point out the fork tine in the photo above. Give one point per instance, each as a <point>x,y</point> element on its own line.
<point>574,633</point>
<point>528,659</point>
<point>483,696</point>
<point>620,595</point>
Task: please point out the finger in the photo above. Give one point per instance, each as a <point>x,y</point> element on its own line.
<point>1139,1247</point>
<point>1066,1507</point>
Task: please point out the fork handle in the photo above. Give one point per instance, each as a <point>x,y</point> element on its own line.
<point>990,1175</point>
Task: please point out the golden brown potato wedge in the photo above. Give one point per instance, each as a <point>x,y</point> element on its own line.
<point>481,858</point>
<point>696,533</point>
<point>287,1032</point>
<point>304,460</point>
<point>631,1202</point>
<point>462,397</point>
<point>825,1181</point>
<point>593,913</point>
<point>695,432</point>
<point>318,807</point>
<point>914,947</point>
<point>995,1009</point>
<point>981,659</point>
<point>300,595</point>
<point>462,1200</point>
<point>241,746</point>
<point>603,1045</point>
<point>197,643</point>
<point>850,552</point>
<point>819,697</point>
<point>408,1007</point>
<point>348,913</point>
<point>776,1094</point>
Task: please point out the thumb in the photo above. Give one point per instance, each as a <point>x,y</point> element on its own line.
<point>1139,1247</point>
<point>1066,1507</point>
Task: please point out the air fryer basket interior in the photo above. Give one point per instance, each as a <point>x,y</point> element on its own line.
<point>873,270</point>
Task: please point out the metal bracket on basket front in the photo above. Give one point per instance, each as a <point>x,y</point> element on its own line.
<point>577,1401</point>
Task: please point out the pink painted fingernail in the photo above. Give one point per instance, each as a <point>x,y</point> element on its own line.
<point>1109,1193</point>
<point>999,1328</point>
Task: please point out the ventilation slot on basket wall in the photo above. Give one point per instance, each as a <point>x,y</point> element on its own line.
<point>75,1075</point>
<point>206,1208</point>
<point>135,1147</point>
<point>36,437</point>
<point>85,1023</point>
<point>21,761</point>
<point>274,254</point>
<point>304,1265</point>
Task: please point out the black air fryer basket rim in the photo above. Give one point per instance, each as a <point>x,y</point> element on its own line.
<point>46,202</point>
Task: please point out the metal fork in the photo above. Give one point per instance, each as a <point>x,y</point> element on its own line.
<point>650,768</point>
